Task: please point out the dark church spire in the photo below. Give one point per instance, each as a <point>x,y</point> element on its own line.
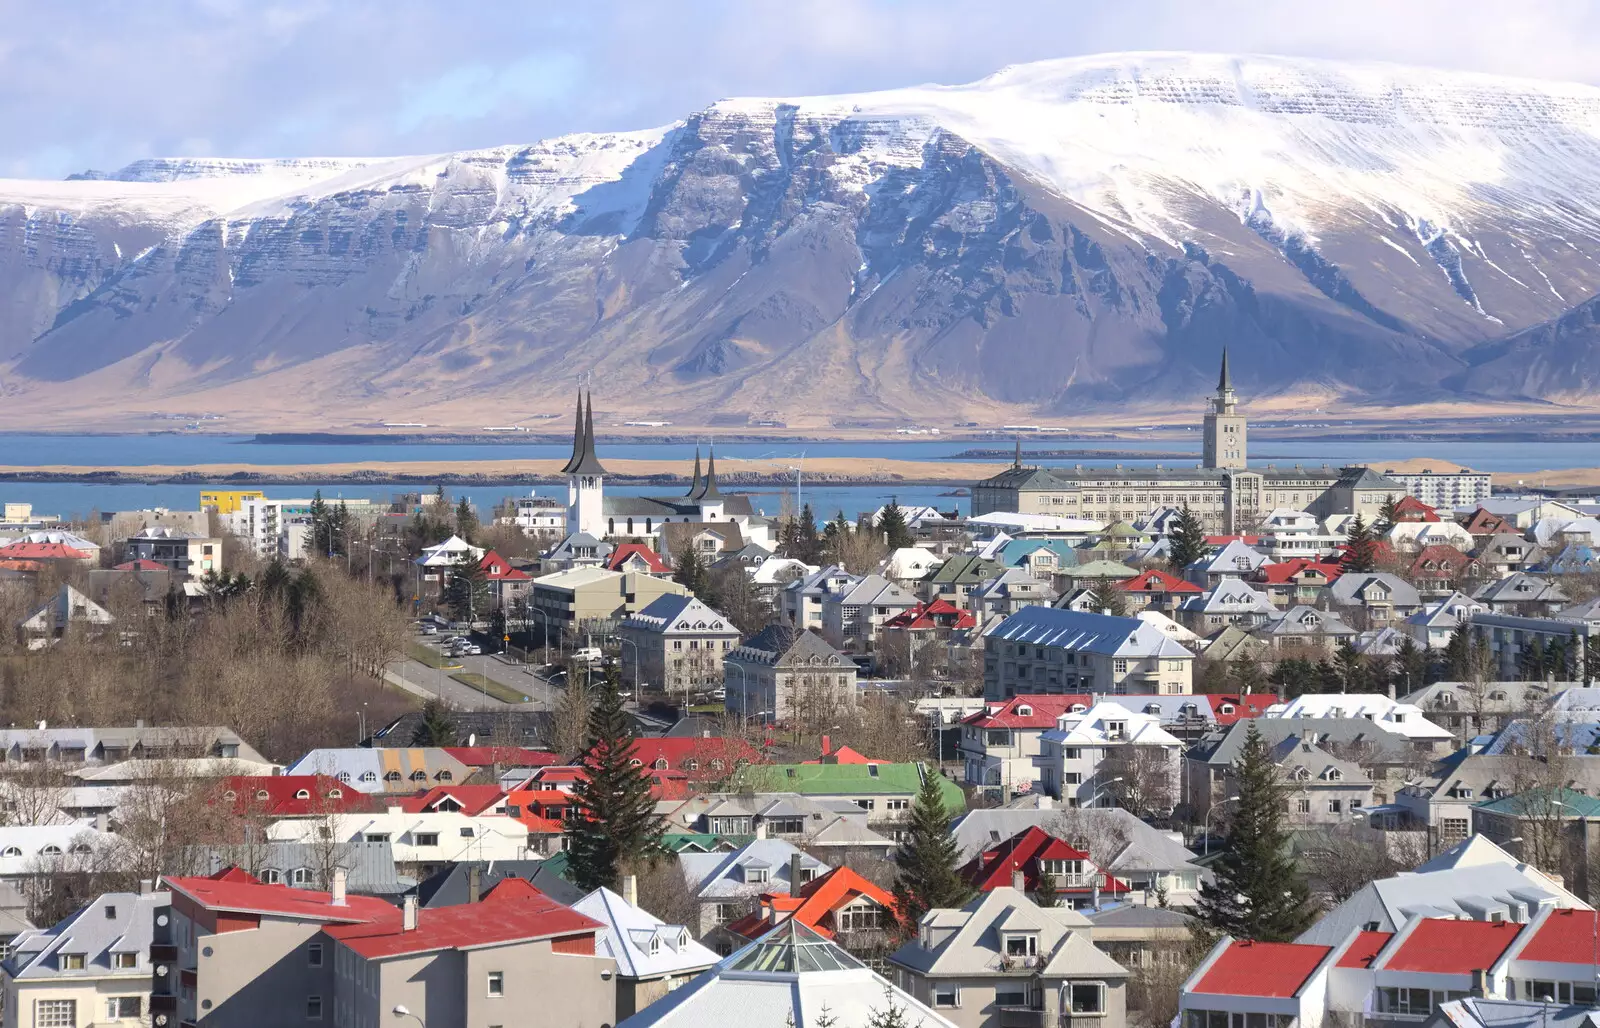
<point>694,483</point>
<point>584,461</point>
<point>709,491</point>
<point>1224,383</point>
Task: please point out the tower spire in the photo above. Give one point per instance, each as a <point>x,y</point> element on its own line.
<point>577,438</point>
<point>584,461</point>
<point>1016,461</point>
<point>694,483</point>
<point>708,490</point>
<point>1224,383</point>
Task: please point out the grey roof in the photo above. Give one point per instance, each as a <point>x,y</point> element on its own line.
<point>1446,613</point>
<point>1235,558</point>
<point>117,922</point>
<point>873,590</point>
<point>137,741</point>
<point>568,547</point>
<point>784,645</point>
<point>1301,621</point>
<point>1223,746</point>
<point>1355,588</point>
<point>1087,633</point>
<point>1362,477</point>
<point>974,946</point>
<point>1128,915</point>
<point>676,612</point>
<point>1146,848</point>
<point>1452,892</point>
<point>451,886</point>
<point>629,933</point>
<point>1308,764</point>
<point>716,875</point>
<point>1520,587</point>
<point>369,865</point>
<point>1230,597</point>
<point>1381,642</point>
<point>1475,1012</point>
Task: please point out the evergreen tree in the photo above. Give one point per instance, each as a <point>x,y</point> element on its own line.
<point>835,530</point>
<point>1412,664</point>
<point>1458,654</point>
<point>927,863</point>
<point>1188,540</point>
<point>1045,893</point>
<point>1104,599</point>
<point>466,520</point>
<point>1531,661</point>
<point>338,530</point>
<point>437,727</point>
<point>1388,517</point>
<point>1328,677</point>
<point>892,1014</point>
<point>808,547</point>
<point>1348,663</point>
<point>1259,892</point>
<point>321,535</point>
<point>690,571</point>
<point>1245,674</point>
<point>1361,555</point>
<point>892,525</point>
<point>467,595</point>
<point>1294,676</point>
<point>613,819</point>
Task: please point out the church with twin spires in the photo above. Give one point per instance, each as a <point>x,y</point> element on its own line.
<point>591,511</point>
<point>1229,495</point>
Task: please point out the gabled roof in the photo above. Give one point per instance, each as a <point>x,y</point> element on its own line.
<point>783,645</point>
<point>1364,950</point>
<point>293,795</point>
<point>1155,581</point>
<point>1288,571</point>
<point>1108,569</point>
<point>138,565</point>
<point>1409,508</point>
<point>497,569</point>
<point>819,898</point>
<point>1565,937</point>
<point>1236,558</point>
<point>674,612</point>
<point>1301,621</point>
<point>473,799</point>
<point>642,944</point>
<point>938,613</point>
<point>628,553</point>
<point>1084,632</point>
<point>993,867</point>
<point>1042,711</point>
<point>1270,969</point>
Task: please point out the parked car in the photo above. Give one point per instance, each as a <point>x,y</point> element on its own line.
<point>429,628</point>
<point>588,654</point>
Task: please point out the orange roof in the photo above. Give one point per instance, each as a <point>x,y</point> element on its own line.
<point>41,551</point>
<point>1154,581</point>
<point>816,902</point>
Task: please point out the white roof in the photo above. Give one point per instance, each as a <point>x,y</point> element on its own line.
<point>172,767</point>
<point>447,552</point>
<point>910,562</point>
<point>1390,715</point>
<point>23,847</point>
<point>642,944</point>
<point>1088,727</point>
<point>1168,627</point>
<point>1022,524</point>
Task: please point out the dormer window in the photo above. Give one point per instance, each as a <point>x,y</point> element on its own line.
<point>754,875</point>
<point>302,794</point>
<point>372,776</point>
<point>262,795</point>
<point>1024,711</point>
<point>1021,944</point>
<point>1333,774</point>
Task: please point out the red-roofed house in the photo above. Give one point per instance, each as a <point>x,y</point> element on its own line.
<point>564,777</point>
<point>637,557</point>
<point>293,796</point>
<point>506,583</point>
<point>1296,581</point>
<point>1226,709</point>
<point>138,565</point>
<point>30,551</point>
<point>939,615</point>
<point>1243,984</point>
<point>551,804</point>
<point>1035,852</point>
<point>1409,508</point>
<point>999,743</point>
<point>1483,523</point>
<point>1155,590</point>
<point>1438,568</point>
<point>701,758</point>
<point>841,905</point>
<point>1555,958</point>
<point>312,956</point>
<point>1446,946</point>
<point>467,799</point>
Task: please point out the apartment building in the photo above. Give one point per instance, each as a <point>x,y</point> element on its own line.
<point>273,528</point>
<point>1053,651</point>
<point>91,968</point>
<point>1110,755</point>
<point>999,744</point>
<point>782,671</point>
<point>677,644</point>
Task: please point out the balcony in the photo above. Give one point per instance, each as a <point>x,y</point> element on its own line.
<point>1020,1017</point>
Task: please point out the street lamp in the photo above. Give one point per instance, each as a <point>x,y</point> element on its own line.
<point>546,616</point>
<point>401,1011</point>
<point>1205,822</point>
<point>744,687</point>
<point>637,687</point>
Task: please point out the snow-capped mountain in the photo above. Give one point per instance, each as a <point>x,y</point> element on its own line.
<point>1060,235</point>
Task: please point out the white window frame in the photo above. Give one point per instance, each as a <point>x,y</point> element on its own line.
<point>495,984</point>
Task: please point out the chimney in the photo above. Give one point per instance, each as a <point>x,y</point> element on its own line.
<point>761,827</point>
<point>146,886</point>
<point>341,878</point>
<point>630,890</point>
<point>100,823</point>
<point>1094,897</point>
<point>1480,983</point>
<point>408,914</point>
<point>826,749</point>
<point>795,860</point>
<point>1046,803</point>
<point>474,884</point>
<point>1018,882</point>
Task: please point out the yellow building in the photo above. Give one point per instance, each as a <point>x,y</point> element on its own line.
<point>227,501</point>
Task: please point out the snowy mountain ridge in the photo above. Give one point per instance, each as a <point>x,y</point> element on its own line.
<point>1079,231</point>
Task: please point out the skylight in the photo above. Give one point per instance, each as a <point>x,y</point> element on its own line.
<point>792,948</point>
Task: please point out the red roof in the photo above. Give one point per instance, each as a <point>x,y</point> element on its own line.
<point>488,756</point>
<point>992,868</point>
<point>473,799</point>
<point>1285,572</point>
<point>818,899</point>
<point>1566,937</point>
<point>559,773</point>
<point>41,551</point>
<point>1444,946</point>
<point>1409,508</point>
<point>227,893</point>
<point>497,569</point>
<point>1484,523</point>
<point>499,918</point>
<point>280,795</point>
<point>1042,711</point>
<point>138,565</point>
<point>234,874</point>
<point>1250,705</point>
<point>841,755</point>
<point>1223,540</point>
<point>1440,560</point>
<point>670,785</point>
<point>1154,581</point>
<point>938,613</point>
<point>695,755</point>
<point>637,553</point>
<point>513,888</point>
<point>1365,949</point>
<point>1273,969</point>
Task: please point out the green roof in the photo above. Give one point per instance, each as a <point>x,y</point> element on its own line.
<point>1537,803</point>
<point>704,842</point>
<point>849,780</point>
<point>965,569</point>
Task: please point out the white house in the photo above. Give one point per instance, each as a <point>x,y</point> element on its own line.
<point>1384,712</point>
<point>423,839</point>
<point>1109,755</point>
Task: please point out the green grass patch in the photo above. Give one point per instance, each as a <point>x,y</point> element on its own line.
<point>432,658</point>
<point>706,708</point>
<point>483,683</point>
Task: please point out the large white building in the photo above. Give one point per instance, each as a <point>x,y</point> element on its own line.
<point>1447,489</point>
<point>273,528</point>
<point>1049,650</point>
<point>1107,754</point>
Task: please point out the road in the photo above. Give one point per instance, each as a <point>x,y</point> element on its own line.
<point>419,679</point>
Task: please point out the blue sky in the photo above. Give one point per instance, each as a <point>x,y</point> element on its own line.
<point>96,84</point>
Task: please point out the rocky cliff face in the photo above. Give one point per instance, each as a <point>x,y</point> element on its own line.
<point>1059,237</point>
